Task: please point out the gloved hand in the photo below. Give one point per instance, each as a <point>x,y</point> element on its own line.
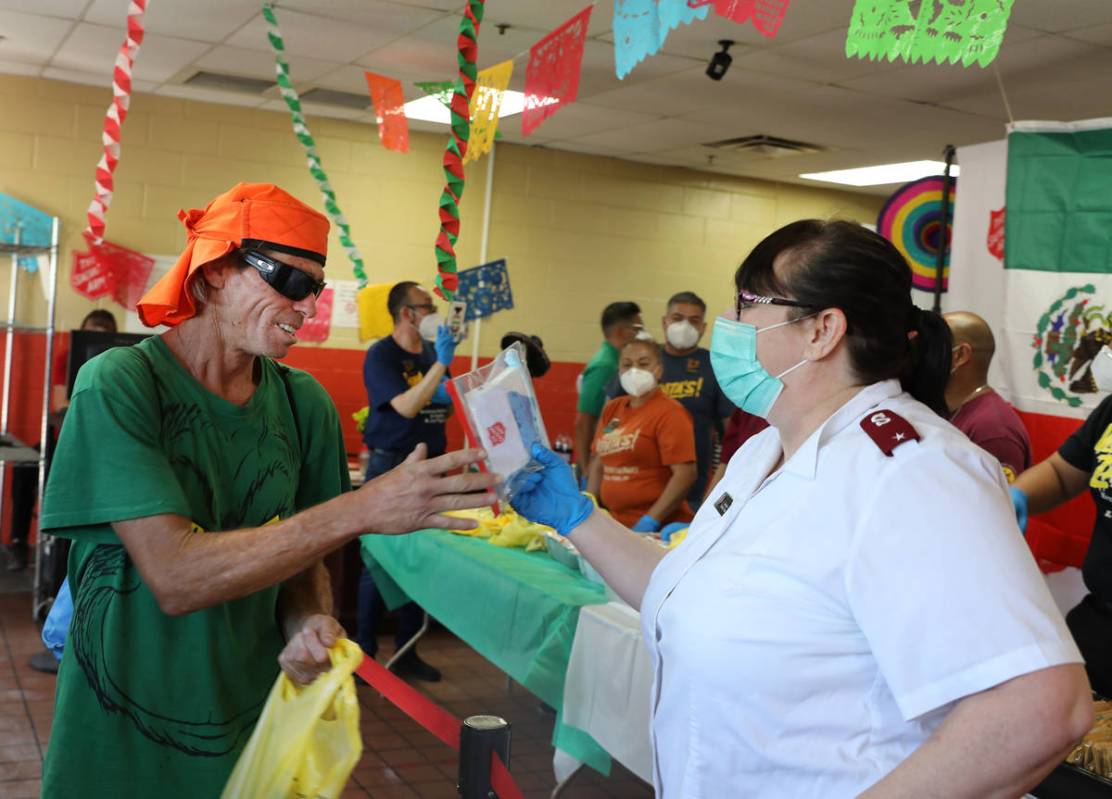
<point>549,495</point>
<point>671,529</point>
<point>646,524</point>
<point>441,396</point>
<point>582,482</point>
<point>445,345</point>
<point>1019,502</point>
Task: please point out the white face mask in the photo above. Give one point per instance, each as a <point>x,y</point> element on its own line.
<point>637,382</point>
<point>682,335</point>
<point>1102,369</point>
<point>429,325</point>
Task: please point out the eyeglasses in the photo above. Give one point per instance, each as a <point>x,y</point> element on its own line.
<point>289,281</point>
<point>748,300</point>
<point>424,306</point>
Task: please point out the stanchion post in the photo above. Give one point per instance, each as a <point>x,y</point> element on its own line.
<point>479,736</point>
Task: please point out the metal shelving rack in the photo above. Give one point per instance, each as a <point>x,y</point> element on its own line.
<point>13,451</point>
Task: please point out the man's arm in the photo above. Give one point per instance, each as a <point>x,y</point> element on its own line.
<point>998,743</point>
<point>411,402</point>
<point>305,613</point>
<point>188,571</point>
<point>683,477</point>
<point>585,425</point>
<point>1050,483</point>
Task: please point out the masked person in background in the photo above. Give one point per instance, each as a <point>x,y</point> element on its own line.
<point>201,483</point>
<point>853,612</point>
<point>643,455</point>
<point>1084,461</point>
<point>404,375</point>
<point>689,379</point>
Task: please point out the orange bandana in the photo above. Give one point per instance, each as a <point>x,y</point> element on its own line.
<point>259,212</point>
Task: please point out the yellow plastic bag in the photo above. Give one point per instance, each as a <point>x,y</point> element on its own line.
<point>307,740</point>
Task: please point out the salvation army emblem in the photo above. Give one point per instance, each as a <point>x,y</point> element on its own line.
<point>1068,337</point>
<point>996,233</point>
<point>496,433</point>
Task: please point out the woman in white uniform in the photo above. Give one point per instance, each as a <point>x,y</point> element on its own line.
<point>854,611</point>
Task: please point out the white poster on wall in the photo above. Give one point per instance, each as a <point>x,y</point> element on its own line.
<point>345,310</point>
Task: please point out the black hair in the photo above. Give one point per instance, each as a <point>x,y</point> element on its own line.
<point>687,298</point>
<point>617,312</point>
<point>399,297</point>
<point>840,264</point>
<point>100,318</point>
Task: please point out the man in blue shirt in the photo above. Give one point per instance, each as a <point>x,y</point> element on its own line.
<point>404,375</point>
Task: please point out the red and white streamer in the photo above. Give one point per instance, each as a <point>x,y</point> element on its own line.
<point>114,120</point>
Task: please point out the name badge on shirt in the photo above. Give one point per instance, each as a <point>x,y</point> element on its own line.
<point>723,503</point>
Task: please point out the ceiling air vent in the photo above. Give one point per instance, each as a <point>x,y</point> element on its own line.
<point>360,102</point>
<point>228,83</point>
<point>765,146</point>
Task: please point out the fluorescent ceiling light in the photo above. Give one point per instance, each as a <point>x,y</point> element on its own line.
<point>430,109</point>
<point>883,174</point>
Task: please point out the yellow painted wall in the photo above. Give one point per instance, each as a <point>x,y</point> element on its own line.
<point>578,231</point>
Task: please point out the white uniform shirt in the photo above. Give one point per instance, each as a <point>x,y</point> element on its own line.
<point>810,638</point>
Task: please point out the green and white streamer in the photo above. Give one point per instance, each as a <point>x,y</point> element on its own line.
<point>301,130</point>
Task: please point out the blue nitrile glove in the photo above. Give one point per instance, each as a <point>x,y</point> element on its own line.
<point>582,482</point>
<point>440,396</point>
<point>545,492</point>
<point>646,524</point>
<point>445,345</point>
<point>58,621</point>
<point>671,529</point>
<point>1019,502</point>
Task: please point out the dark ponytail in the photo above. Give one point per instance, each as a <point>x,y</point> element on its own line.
<point>844,265</point>
<point>928,370</point>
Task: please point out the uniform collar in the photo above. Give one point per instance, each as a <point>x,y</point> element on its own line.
<point>805,461</point>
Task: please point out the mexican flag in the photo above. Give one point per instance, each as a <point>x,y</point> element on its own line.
<point>1032,254</point>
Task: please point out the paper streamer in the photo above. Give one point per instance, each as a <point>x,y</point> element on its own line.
<point>468,52</point>
<point>552,75</point>
<point>440,89</point>
<point>641,26</point>
<point>490,88</point>
<point>945,31</point>
<point>389,102</point>
<point>766,15</point>
<point>301,130</point>
<point>114,120</point>
<point>485,289</point>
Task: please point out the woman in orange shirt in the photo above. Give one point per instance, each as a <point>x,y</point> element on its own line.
<point>644,447</point>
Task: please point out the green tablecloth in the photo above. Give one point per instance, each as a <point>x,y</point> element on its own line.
<point>517,609</point>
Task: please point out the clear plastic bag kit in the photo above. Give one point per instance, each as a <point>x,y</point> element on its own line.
<point>500,413</point>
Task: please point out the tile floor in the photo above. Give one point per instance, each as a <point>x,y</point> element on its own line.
<point>399,759</point>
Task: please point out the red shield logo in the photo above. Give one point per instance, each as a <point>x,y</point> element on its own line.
<point>996,233</point>
<point>90,277</point>
<point>496,433</point>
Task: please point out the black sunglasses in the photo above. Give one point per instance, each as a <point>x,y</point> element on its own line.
<point>289,281</point>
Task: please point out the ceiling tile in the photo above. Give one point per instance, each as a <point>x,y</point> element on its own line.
<point>30,38</point>
<point>580,119</point>
<point>1096,34</point>
<point>210,95</point>
<point>317,110</point>
<point>662,134</point>
<point>203,20</point>
<point>950,84</point>
<point>373,14</point>
<point>311,36</point>
<point>1061,15</point>
<point>260,64</point>
<point>92,48</point>
<point>597,75</point>
<point>19,68</point>
<point>68,9</point>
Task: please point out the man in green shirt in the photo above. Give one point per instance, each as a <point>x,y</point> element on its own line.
<point>621,322</point>
<point>201,483</point>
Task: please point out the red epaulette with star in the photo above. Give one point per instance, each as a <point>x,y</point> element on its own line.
<point>888,430</point>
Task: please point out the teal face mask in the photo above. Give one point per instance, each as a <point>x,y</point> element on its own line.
<point>733,357</point>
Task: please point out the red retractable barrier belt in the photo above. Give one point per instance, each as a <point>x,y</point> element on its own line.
<point>433,718</point>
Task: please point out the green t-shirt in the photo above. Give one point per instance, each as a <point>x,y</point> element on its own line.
<point>150,705</point>
<point>592,383</point>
